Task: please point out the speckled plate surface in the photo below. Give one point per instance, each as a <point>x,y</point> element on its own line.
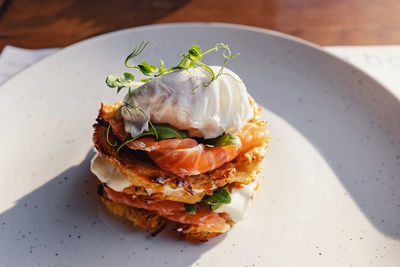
<point>330,189</point>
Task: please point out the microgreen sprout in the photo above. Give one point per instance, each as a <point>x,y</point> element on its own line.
<point>135,52</point>
<point>126,80</point>
<point>108,136</point>
<point>191,59</point>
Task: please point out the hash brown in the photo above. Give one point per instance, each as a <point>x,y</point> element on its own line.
<point>138,168</point>
<point>149,179</point>
<point>150,221</point>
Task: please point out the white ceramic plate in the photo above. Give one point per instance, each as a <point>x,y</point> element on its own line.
<point>330,191</point>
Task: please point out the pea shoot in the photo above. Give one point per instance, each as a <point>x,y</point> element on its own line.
<point>191,59</point>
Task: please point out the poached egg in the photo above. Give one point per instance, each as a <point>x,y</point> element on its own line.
<point>183,99</point>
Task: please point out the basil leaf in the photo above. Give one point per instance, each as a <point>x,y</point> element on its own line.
<point>224,140</point>
<point>166,131</point>
<point>191,208</point>
<point>218,198</point>
<point>215,206</point>
<point>228,139</point>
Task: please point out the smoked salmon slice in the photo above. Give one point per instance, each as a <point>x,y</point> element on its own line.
<point>205,219</point>
<point>188,157</point>
<point>195,160</point>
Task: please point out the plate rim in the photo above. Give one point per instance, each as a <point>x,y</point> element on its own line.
<point>198,24</point>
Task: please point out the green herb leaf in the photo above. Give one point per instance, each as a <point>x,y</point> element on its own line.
<point>147,69</point>
<point>160,132</point>
<point>215,206</point>
<point>225,139</point>
<point>228,139</point>
<point>191,208</point>
<point>166,131</point>
<point>186,63</point>
<point>126,80</point>
<point>129,77</point>
<point>146,80</point>
<point>195,53</point>
<point>218,198</point>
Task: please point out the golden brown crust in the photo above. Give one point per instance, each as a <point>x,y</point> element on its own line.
<point>198,236</point>
<point>141,218</point>
<point>150,221</point>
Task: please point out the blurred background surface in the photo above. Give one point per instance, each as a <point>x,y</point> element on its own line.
<point>58,23</point>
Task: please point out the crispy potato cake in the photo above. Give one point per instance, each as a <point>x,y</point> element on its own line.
<point>150,221</point>
<point>149,179</point>
<point>146,177</point>
<point>156,184</point>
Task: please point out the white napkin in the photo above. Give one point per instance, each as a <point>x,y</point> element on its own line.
<point>381,62</point>
<point>14,59</point>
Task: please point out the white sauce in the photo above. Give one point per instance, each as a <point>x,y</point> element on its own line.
<point>237,209</point>
<point>240,202</point>
<point>107,174</point>
<point>112,177</point>
<point>223,106</point>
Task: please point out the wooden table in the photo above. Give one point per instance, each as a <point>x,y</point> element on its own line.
<point>56,23</point>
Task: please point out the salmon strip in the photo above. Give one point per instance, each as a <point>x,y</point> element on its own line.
<point>174,211</point>
<point>195,160</point>
<point>188,157</point>
<point>150,144</point>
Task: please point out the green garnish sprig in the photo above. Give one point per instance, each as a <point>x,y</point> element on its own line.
<point>219,197</point>
<point>190,208</point>
<point>160,132</point>
<point>126,80</point>
<point>190,59</point>
<point>224,139</point>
